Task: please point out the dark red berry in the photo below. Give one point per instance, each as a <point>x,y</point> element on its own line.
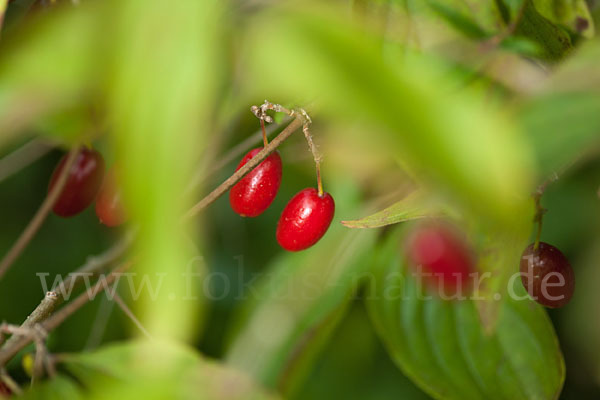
<point>109,206</point>
<point>255,192</point>
<point>83,183</point>
<point>443,254</point>
<point>547,275</point>
<point>305,219</point>
<point>4,390</point>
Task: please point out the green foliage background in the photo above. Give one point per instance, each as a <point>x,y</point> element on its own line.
<point>475,103</point>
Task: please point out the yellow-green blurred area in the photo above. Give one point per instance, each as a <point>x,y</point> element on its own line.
<point>471,104</point>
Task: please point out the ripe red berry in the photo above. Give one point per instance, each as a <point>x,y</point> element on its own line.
<point>547,275</point>
<point>255,192</point>
<point>443,254</point>
<point>305,219</point>
<point>109,206</point>
<point>83,181</point>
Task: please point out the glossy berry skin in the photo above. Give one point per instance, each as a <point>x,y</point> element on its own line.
<point>109,206</point>
<point>547,275</point>
<point>255,192</point>
<point>83,183</point>
<point>443,254</point>
<point>305,219</point>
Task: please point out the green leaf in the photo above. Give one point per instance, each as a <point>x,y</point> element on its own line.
<point>442,346</point>
<point>573,14</point>
<point>127,370</point>
<point>161,89</point>
<point>58,388</point>
<point>295,307</point>
<point>365,372</point>
<point>554,40</point>
<point>416,205</point>
<point>562,127</point>
<point>35,80</point>
<point>459,20</point>
<point>465,149</point>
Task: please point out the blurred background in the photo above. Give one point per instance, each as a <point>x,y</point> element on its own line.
<point>478,102</point>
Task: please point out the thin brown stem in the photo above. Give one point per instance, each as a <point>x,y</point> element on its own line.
<point>494,41</point>
<point>316,157</point>
<point>56,296</point>
<point>264,133</point>
<point>246,168</point>
<point>40,216</point>
<point>22,157</point>
<point>232,154</point>
<point>9,351</point>
<point>10,382</point>
<point>261,113</point>
<point>127,311</point>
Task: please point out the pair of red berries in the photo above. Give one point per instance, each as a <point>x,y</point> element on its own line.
<point>86,182</point>
<point>304,220</point>
<point>545,272</point>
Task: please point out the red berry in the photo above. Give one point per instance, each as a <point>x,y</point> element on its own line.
<point>443,254</point>
<point>83,182</point>
<point>255,192</point>
<point>109,206</point>
<point>4,390</point>
<point>305,219</point>
<point>547,275</point>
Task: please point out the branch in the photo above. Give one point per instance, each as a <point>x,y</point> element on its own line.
<point>127,311</point>
<point>22,157</point>
<point>93,265</point>
<point>11,349</point>
<point>55,297</point>
<point>40,216</point>
<point>246,168</point>
<point>235,152</point>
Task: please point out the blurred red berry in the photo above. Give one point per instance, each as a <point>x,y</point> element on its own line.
<point>82,185</point>
<point>109,205</point>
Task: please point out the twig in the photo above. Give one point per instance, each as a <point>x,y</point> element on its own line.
<point>232,154</point>
<point>495,41</point>
<point>9,381</point>
<point>131,315</point>
<point>9,351</point>
<point>39,217</point>
<point>261,113</point>
<point>99,325</point>
<point>240,173</point>
<point>22,157</point>
<point>54,297</point>
<point>42,313</point>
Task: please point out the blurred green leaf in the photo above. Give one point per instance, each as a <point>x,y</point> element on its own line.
<point>414,206</point>
<point>35,80</point>
<point>562,127</point>
<point>574,14</point>
<point>465,148</point>
<point>443,347</point>
<point>294,309</point>
<point>58,388</point>
<point>162,81</point>
<point>365,372</point>
<point>459,20</point>
<point>553,39</point>
<point>126,369</point>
